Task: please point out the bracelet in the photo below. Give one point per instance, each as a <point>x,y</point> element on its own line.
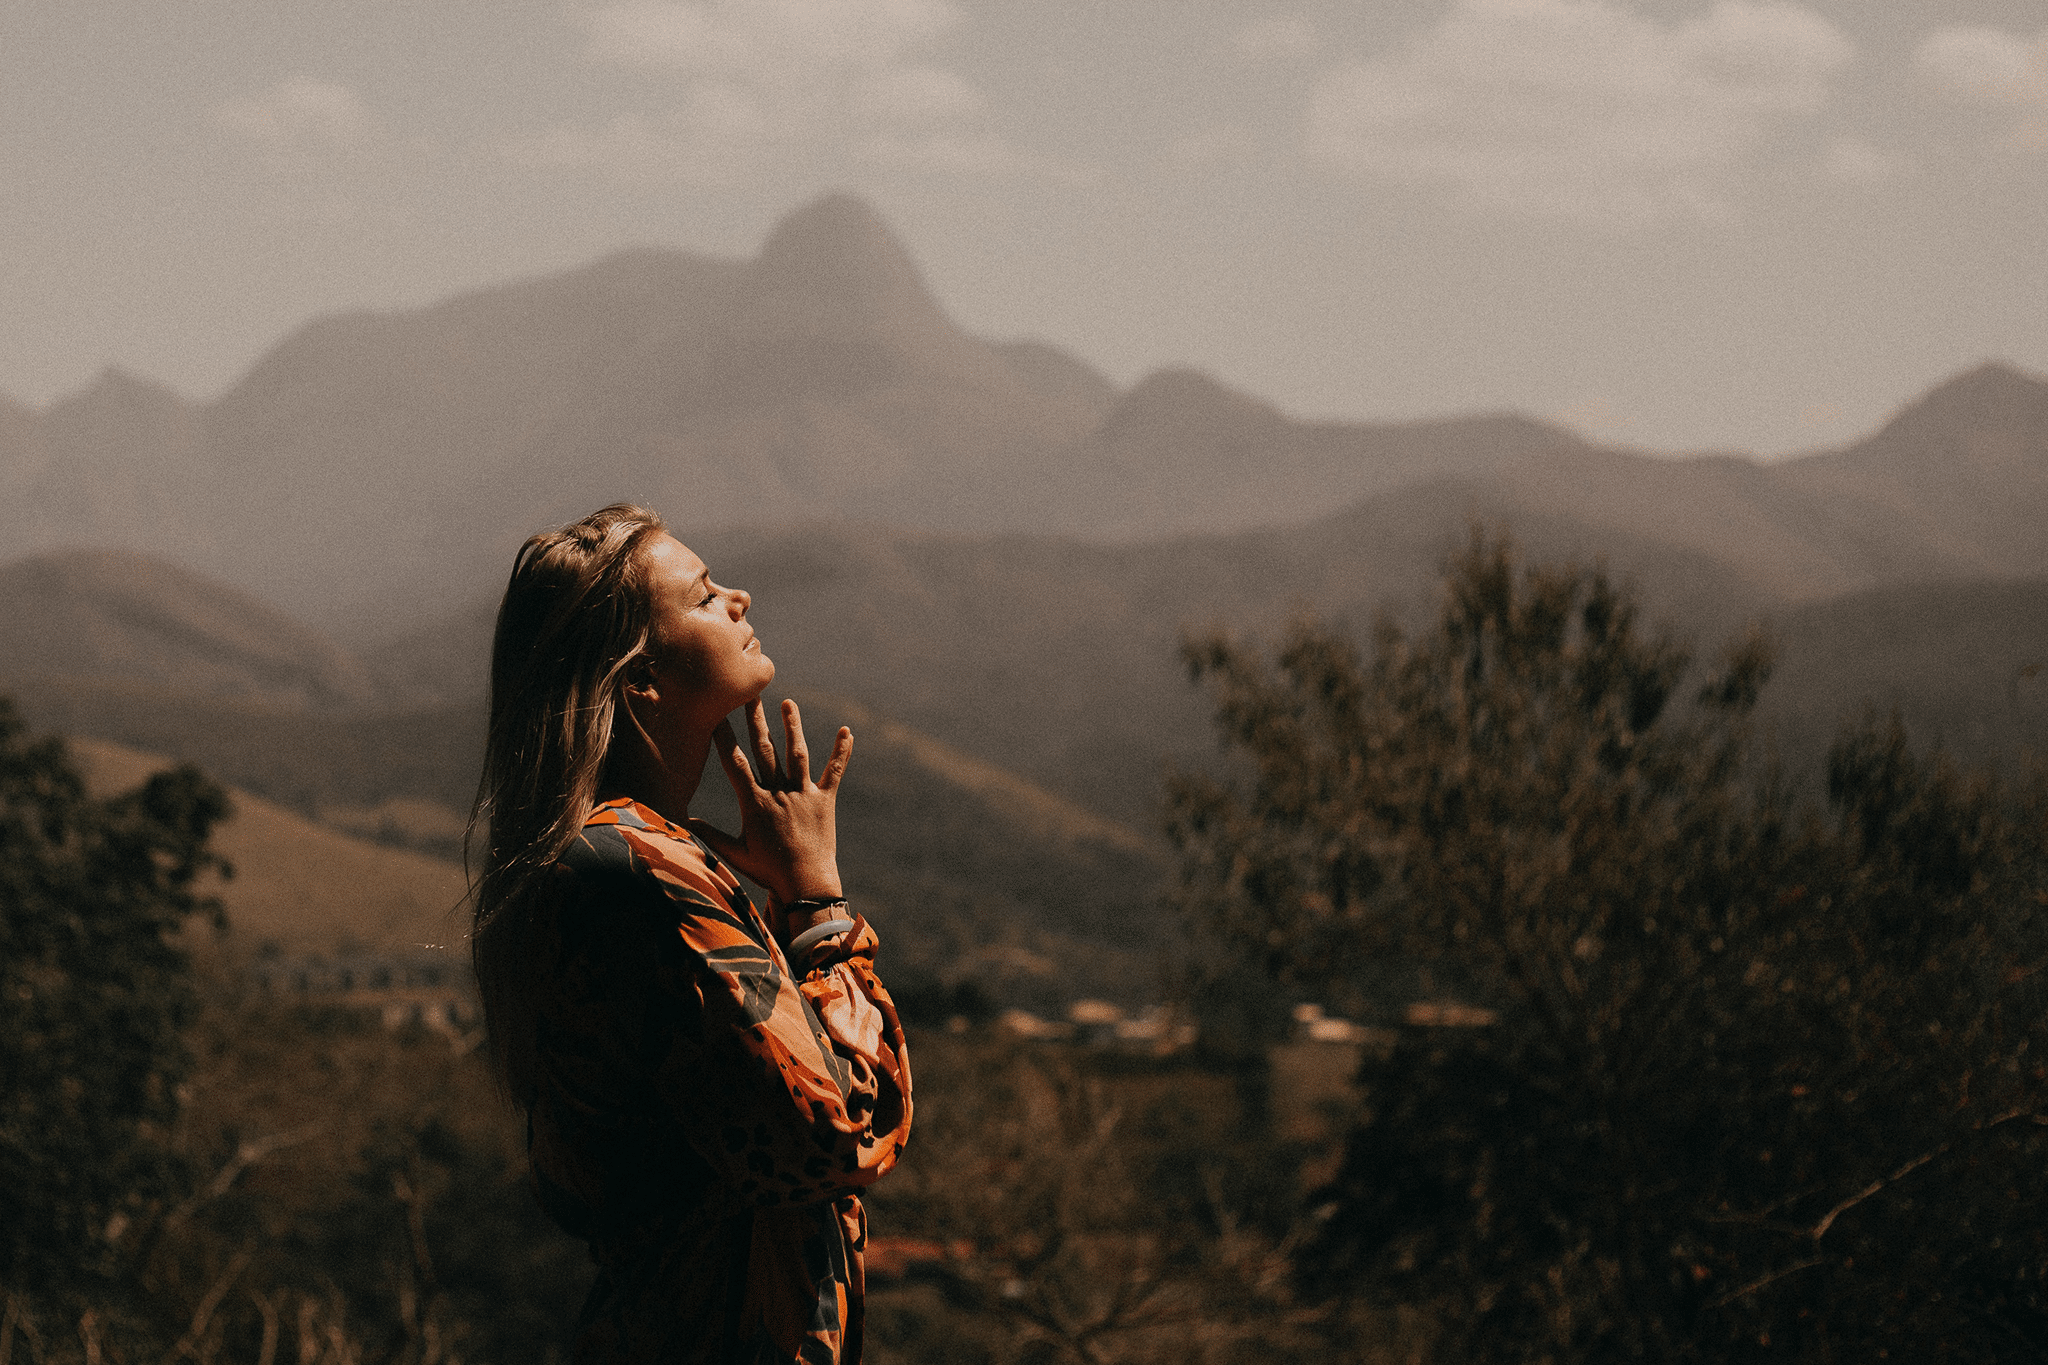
<point>801,945</point>
<point>813,904</point>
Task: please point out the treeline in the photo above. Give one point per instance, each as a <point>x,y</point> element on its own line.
<point>1764,1075</point>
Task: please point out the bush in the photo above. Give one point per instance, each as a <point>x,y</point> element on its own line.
<point>95,993</point>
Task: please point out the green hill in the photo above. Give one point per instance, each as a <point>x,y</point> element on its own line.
<point>973,874</point>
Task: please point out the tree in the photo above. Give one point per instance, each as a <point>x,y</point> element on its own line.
<point>95,992</point>
<point>1738,1044</point>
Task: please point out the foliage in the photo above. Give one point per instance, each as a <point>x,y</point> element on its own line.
<point>1761,1079</point>
<point>189,1170</point>
<point>1074,1209</point>
<point>370,1186</point>
<point>95,992</point>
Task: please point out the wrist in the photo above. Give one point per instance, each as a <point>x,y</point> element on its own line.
<point>808,911</point>
<point>813,884</point>
<point>801,946</point>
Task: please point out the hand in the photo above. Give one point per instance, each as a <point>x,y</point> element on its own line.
<point>788,839</point>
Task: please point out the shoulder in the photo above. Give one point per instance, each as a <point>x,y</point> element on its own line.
<point>623,841</point>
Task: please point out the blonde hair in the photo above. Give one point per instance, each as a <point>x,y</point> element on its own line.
<point>576,614</point>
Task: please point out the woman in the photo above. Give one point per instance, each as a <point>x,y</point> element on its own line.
<point>707,1087</point>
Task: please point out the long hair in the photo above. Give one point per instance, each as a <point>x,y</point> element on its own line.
<point>576,614</point>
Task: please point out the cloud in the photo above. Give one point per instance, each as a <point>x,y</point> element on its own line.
<point>1993,70</point>
<point>299,118</point>
<point>762,80</point>
<point>1581,108</point>
<point>1855,162</point>
<point>1988,67</point>
<point>703,143</point>
<point>1227,145</point>
<point>913,97</point>
<point>766,39</point>
<point>1278,36</point>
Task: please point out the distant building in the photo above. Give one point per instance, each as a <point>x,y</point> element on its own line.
<point>431,991</point>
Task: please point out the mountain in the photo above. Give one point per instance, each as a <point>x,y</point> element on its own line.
<point>99,459</point>
<point>1056,658</point>
<point>117,617</point>
<point>1963,470</point>
<point>374,469</point>
<point>388,458</point>
<point>977,872</point>
<point>987,542</point>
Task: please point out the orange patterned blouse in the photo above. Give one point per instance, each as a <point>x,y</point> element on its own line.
<point>704,1118</point>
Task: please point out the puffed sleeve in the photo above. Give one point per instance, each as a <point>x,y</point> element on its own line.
<point>793,1091</point>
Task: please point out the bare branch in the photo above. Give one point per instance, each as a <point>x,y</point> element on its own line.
<point>1820,1229</point>
<point>246,1155</point>
<point>203,1314</point>
<point>1754,1285</point>
<point>266,1354</point>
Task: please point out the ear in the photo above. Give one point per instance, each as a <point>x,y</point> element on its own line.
<point>641,684</point>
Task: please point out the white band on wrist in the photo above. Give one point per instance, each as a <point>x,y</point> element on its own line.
<point>801,945</point>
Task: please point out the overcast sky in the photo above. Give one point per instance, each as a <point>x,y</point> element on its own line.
<point>1679,224</point>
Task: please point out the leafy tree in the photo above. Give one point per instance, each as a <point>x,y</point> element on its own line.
<point>1759,1080</point>
<point>95,992</point>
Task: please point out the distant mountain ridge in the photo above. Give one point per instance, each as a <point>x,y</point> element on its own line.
<point>386,464</point>
<point>116,615</point>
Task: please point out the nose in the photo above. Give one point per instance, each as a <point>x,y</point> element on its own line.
<point>741,598</point>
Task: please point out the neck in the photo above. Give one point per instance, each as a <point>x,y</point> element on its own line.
<point>664,781</point>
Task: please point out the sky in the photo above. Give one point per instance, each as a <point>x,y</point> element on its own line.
<point>1679,225</point>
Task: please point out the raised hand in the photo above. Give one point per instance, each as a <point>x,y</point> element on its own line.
<point>788,837</point>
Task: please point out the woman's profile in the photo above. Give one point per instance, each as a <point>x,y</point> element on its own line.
<point>708,1085</point>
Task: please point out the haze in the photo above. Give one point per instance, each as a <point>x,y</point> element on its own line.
<point>1680,226</point>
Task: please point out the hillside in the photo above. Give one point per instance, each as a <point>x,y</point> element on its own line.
<point>303,888</point>
<point>1964,470</point>
<point>1964,663</point>
<point>1048,659</point>
<point>1016,699</point>
<point>972,872</point>
<point>109,614</point>
<point>1057,658</point>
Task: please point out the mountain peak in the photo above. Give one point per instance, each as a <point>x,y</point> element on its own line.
<point>834,303</point>
<point>1186,402</point>
<point>837,247</point>
<point>114,387</point>
<point>1992,395</point>
<point>119,419</point>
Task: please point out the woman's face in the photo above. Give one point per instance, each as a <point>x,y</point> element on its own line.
<point>705,658</point>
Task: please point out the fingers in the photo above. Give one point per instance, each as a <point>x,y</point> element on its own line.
<point>835,766</point>
<point>734,761</point>
<point>799,771</point>
<point>764,743</point>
